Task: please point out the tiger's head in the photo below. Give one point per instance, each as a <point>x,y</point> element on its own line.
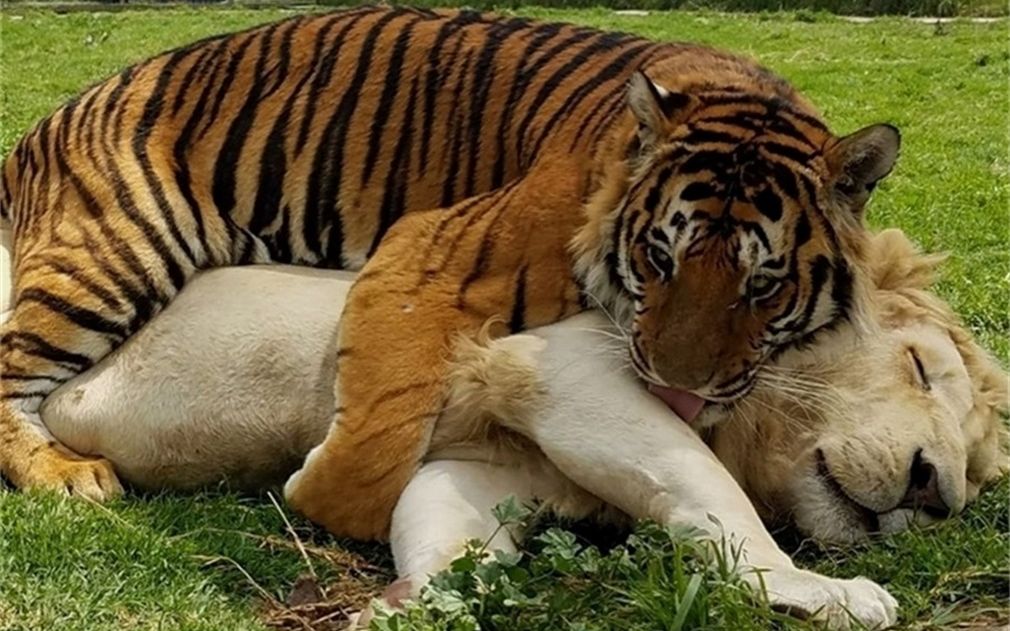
<point>730,227</point>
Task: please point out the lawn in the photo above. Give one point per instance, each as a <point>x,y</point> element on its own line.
<point>219,561</point>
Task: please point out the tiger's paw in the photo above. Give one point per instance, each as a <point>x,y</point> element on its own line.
<point>342,499</point>
<point>300,490</point>
<point>56,468</point>
<point>838,603</point>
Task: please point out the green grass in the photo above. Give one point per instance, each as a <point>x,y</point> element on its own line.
<point>216,561</point>
<point>930,8</point>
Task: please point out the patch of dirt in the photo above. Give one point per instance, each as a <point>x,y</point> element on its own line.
<point>316,604</point>
<point>314,607</point>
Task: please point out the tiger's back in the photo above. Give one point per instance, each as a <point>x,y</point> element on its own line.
<point>316,133</point>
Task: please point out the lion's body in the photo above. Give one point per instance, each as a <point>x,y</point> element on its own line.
<point>322,140</point>
<point>202,395</point>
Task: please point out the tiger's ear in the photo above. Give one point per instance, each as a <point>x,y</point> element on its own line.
<point>657,109</point>
<point>860,160</point>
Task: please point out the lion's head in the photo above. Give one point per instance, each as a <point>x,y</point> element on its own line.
<point>901,425</point>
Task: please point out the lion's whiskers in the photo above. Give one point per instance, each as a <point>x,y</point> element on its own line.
<point>809,395</point>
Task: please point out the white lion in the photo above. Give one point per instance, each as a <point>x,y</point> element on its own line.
<point>858,431</point>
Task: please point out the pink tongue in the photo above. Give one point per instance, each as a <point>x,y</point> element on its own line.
<point>683,403</point>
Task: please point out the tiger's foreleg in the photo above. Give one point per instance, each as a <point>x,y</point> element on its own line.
<point>502,255</point>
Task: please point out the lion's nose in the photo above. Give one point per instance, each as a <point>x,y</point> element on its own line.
<point>924,489</point>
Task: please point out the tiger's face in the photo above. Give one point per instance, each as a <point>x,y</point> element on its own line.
<point>725,258</point>
<point>735,234</point>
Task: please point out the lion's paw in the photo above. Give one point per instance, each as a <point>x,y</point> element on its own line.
<point>56,469</point>
<point>392,598</point>
<point>839,603</point>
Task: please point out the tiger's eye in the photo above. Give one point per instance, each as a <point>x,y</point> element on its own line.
<point>763,287</point>
<point>660,260</point>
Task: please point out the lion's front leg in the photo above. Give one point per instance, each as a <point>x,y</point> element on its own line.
<point>447,504</point>
<point>602,429</point>
<point>437,274</point>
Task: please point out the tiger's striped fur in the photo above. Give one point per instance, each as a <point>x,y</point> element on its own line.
<point>453,156</point>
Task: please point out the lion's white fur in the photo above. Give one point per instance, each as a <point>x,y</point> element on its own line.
<point>858,401</point>
<point>6,270</point>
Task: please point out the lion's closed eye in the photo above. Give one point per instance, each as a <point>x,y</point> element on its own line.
<point>921,377</point>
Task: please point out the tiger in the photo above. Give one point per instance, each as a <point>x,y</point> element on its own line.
<point>473,168</point>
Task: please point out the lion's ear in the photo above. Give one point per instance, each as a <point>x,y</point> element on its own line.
<point>989,445</point>
<point>657,109</point>
<point>896,263</point>
<point>990,382</point>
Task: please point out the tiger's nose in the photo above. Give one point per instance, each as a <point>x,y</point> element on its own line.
<point>924,489</point>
